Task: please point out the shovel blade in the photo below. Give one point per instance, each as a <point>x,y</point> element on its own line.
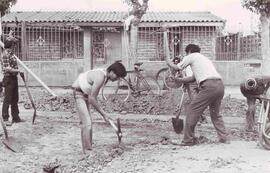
<point>119,132</point>
<point>12,144</point>
<point>178,125</point>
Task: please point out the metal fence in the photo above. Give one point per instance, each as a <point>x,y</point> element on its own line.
<point>42,42</point>
<point>47,42</point>
<point>213,43</point>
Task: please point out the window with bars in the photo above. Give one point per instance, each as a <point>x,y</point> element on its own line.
<point>40,42</point>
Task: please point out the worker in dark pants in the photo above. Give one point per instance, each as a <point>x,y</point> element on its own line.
<point>210,94</point>
<point>191,88</point>
<point>10,82</point>
<point>252,88</point>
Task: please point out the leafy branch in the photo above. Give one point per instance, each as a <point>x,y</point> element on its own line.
<point>261,7</point>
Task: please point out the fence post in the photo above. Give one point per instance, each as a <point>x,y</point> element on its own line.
<point>238,50</point>
<point>24,41</point>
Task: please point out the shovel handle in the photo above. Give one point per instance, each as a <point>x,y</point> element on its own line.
<point>30,97</point>
<point>117,129</point>
<point>181,103</point>
<point>37,78</point>
<point>113,125</point>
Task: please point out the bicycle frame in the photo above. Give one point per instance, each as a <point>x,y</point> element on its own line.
<point>138,84</point>
<point>137,79</point>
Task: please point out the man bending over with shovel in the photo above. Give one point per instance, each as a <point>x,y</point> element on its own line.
<point>86,88</point>
<point>211,92</point>
<point>252,88</point>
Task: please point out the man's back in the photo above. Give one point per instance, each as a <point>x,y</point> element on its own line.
<point>201,66</point>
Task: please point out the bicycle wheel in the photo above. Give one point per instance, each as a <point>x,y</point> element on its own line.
<point>148,85</point>
<point>170,82</point>
<point>264,141</point>
<point>160,77</point>
<point>116,90</point>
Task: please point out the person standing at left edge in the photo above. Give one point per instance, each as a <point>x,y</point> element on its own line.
<point>10,81</point>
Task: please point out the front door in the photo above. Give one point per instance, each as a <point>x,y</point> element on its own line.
<point>98,50</point>
<point>106,47</point>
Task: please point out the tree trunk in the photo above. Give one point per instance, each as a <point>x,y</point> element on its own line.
<point>133,43</point>
<point>265,44</point>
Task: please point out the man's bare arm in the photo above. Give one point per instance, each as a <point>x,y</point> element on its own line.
<point>92,98</point>
<point>188,79</point>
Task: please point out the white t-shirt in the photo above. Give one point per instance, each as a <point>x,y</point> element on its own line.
<point>201,67</point>
<point>188,71</point>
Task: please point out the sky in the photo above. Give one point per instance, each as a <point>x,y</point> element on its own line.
<point>238,18</point>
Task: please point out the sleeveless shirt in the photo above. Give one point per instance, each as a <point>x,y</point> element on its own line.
<point>84,84</point>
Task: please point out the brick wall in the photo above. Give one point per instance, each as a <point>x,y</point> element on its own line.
<point>150,44</point>
<point>63,73</point>
<point>53,73</point>
<point>205,39</point>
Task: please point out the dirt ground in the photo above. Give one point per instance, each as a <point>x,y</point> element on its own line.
<point>149,143</point>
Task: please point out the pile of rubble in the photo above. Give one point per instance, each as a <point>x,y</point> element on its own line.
<point>167,103</point>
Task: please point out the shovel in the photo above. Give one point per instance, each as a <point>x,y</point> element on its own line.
<point>9,141</point>
<point>117,129</point>
<point>119,132</point>
<point>178,123</point>
<point>30,97</point>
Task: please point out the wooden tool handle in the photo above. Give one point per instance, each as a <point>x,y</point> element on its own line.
<point>181,104</point>
<point>113,125</point>
<point>37,78</point>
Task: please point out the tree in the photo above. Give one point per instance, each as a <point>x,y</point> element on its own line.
<point>133,18</point>
<point>262,7</point>
<point>138,10</point>
<point>5,6</point>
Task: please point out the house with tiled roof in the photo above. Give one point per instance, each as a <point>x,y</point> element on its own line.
<point>53,41</point>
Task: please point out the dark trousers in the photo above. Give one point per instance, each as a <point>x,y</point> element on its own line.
<point>11,97</point>
<point>210,94</point>
<point>252,96</point>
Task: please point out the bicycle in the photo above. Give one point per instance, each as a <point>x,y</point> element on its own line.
<point>135,84</point>
<point>165,77</point>
<point>264,122</point>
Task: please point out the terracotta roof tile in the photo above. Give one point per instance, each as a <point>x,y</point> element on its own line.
<point>94,16</point>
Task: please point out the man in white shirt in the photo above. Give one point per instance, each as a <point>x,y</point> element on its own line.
<point>211,92</point>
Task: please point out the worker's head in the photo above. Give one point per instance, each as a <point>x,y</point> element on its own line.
<point>8,44</point>
<point>116,70</point>
<point>192,48</point>
<point>176,60</point>
<point>9,40</point>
